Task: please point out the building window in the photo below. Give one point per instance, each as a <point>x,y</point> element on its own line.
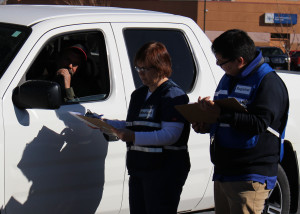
<point>280,36</point>
<point>281,40</point>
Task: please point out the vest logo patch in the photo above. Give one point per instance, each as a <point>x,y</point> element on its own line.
<point>242,89</point>
<point>147,113</point>
<point>221,92</point>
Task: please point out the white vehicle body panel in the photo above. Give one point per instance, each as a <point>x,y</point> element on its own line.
<point>42,125</point>
<point>292,131</point>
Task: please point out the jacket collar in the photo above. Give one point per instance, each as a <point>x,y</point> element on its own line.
<point>252,66</point>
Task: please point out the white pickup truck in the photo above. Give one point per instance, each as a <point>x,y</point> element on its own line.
<point>52,163</point>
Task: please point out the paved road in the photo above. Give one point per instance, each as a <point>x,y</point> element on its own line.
<point>205,212</point>
<point>210,212</point>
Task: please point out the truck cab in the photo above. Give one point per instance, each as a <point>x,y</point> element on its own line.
<point>54,163</point>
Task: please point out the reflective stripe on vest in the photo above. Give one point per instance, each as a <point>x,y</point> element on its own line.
<point>143,123</point>
<point>272,131</point>
<point>147,149</point>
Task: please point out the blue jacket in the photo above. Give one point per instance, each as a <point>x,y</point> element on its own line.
<point>243,148</point>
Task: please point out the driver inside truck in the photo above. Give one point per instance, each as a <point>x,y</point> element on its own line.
<point>70,65</point>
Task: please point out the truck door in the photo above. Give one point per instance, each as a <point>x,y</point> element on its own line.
<point>192,72</point>
<point>54,163</point>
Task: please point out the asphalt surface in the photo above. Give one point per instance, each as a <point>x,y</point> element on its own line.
<point>210,212</point>
<point>205,212</point>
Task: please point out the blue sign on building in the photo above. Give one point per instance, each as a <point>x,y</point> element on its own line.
<point>281,18</point>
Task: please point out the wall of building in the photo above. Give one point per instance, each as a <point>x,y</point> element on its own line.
<point>268,1</point>
<point>248,16</point>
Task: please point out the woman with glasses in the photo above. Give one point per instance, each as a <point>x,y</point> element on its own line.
<point>156,135</point>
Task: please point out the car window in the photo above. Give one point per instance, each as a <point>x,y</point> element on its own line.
<point>12,37</point>
<point>183,64</point>
<point>297,54</point>
<point>91,80</point>
<point>271,51</point>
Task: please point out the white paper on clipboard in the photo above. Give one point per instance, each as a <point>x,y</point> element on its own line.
<point>95,123</point>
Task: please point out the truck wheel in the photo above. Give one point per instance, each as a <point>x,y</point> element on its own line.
<point>279,198</point>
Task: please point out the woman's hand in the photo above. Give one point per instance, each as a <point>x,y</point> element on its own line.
<point>125,134</point>
<point>201,127</point>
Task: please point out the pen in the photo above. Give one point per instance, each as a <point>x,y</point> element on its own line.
<point>93,115</point>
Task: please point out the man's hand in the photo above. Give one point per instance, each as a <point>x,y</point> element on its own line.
<point>125,134</point>
<point>201,127</point>
<point>205,104</point>
<point>67,76</point>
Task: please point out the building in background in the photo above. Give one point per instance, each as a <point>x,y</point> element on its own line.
<point>268,22</point>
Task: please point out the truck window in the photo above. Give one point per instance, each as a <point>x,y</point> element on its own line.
<point>183,65</point>
<point>12,37</point>
<point>90,82</point>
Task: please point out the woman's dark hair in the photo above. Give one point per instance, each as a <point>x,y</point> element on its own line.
<point>233,44</point>
<point>155,55</point>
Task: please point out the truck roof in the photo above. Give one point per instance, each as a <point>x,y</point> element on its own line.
<point>29,15</point>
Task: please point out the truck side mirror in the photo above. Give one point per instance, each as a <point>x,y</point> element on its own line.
<point>37,94</point>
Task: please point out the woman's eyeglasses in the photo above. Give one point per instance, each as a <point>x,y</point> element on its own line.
<point>142,69</point>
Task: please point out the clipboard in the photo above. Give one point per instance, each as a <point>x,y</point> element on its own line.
<point>231,103</point>
<point>95,123</point>
<point>193,113</point>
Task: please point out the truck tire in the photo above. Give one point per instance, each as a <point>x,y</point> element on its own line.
<point>279,198</point>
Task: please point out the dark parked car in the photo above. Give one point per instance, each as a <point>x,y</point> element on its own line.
<point>276,58</point>
<point>295,60</point>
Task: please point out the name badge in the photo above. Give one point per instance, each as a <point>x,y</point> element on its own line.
<point>242,89</point>
<point>147,113</point>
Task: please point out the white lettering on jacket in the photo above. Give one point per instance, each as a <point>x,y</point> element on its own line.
<point>242,89</point>
<point>147,113</point>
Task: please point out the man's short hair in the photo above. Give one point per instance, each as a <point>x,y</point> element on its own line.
<point>233,44</point>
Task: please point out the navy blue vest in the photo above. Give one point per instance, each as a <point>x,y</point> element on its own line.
<point>147,115</point>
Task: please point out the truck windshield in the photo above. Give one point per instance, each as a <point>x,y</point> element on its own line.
<point>12,37</point>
